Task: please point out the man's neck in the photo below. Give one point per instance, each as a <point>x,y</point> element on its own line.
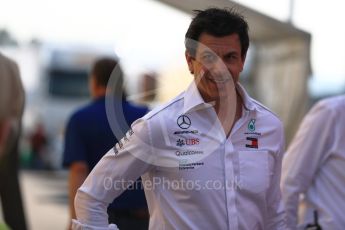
<point>229,111</point>
<point>98,92</point>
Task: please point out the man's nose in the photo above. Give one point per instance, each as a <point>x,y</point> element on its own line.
<point>218,68</point>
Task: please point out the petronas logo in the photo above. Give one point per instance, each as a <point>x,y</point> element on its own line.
<point>251,125</point>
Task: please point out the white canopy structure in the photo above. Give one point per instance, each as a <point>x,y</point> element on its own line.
<point>279,61</point>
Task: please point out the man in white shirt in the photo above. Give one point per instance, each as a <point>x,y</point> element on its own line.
<point>210,158</point>
<point>314,166</point>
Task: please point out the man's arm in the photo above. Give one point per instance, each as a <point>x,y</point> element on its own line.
<point>111,176</point>
<point>276,215</point>
<point>11,103</point>
<point>4,133</point>
<point>74,158</point>
<point>303,158</point>
<point>77,174</point>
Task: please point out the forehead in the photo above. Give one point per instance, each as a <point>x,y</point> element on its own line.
<point>228,43</point>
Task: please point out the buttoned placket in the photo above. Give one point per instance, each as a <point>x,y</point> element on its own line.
<point>231,180</point>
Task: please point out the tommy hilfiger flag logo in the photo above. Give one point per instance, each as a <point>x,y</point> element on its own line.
<point>253,143</point>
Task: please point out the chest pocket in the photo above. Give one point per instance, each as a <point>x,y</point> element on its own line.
<point>254,171</point>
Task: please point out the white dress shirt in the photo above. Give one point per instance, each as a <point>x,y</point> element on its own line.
<point>193,175</point>
<point>314,166</point>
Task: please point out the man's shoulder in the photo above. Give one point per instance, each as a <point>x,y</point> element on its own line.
<point>136,108</point>
<point>331,104</point>
<point>170,108</point>
<point>83,112</point>
<point>7,61</point>
<point>267,113</point>
<point>9,70</point>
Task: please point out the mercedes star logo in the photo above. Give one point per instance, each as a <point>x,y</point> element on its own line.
<point>183,122</point>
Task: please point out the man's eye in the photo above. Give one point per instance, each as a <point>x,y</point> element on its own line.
<point>231,57</point>
<point>208,58</point>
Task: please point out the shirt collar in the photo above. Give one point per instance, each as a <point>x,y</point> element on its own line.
<point>193,100</point>
<point>246,99</point>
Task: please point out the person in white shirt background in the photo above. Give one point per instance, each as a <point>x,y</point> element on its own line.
<point>314,167</point>
<point>210,158</point>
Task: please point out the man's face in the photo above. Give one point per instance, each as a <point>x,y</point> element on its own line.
<point>216,60</point>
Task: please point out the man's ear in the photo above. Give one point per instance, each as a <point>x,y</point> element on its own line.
<point>189,60</point>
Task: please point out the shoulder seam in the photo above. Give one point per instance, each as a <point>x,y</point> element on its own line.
<point>166,106</point>
<point>267,109</point>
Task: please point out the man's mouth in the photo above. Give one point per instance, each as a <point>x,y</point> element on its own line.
<point>219,78</point>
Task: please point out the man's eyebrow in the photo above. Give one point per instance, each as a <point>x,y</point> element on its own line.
<point>231,53</point>
<point>207,51</point>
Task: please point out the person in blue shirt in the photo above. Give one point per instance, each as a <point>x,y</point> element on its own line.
<point>89,136</point>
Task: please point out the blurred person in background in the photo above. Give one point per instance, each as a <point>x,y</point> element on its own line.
<point>38,142</point>
<point>314,167</point>
<point>12,99</point>
<point>148,86</point>
<point>89,136</point>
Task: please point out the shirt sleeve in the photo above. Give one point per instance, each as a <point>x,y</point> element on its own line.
<point>118,169</point>
<point>304,157</point>
<point>74,146</point>
<point>276,212</point>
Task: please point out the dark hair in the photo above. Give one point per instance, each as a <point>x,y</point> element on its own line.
<point>103,69</point>
<point>217,22</point>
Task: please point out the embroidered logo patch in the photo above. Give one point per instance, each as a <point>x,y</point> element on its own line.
<point>254,144</point>
<point>251,125</point>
